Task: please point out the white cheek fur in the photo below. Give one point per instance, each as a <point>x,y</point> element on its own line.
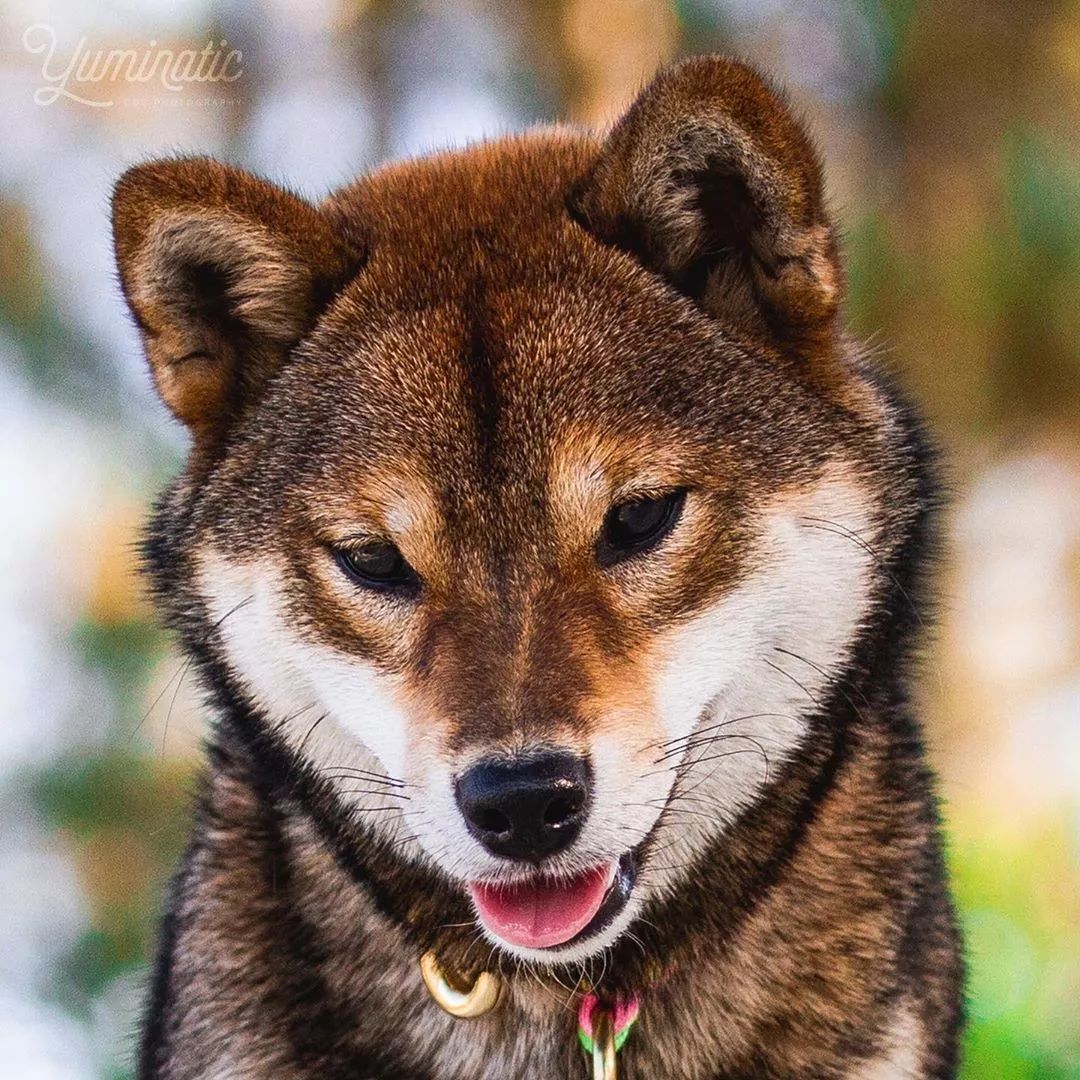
<point>288,676</point>
<point>753,667</point>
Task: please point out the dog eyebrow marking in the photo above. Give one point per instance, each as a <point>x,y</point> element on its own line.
<point>588,472</point>
<point>383,499</point>
<point>386,504</point>
<point>402,515</point>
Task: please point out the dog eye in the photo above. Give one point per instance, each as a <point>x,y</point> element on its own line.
<point>377,564</point>
<point>637,525</point>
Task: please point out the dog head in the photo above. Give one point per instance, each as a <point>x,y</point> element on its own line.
<point>534,497</point>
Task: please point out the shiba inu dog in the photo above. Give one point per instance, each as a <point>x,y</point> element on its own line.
<point>555,564</point>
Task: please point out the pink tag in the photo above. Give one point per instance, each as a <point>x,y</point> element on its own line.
<point>625,1013</point>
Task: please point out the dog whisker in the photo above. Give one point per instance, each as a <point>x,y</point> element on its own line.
<point>374,792</point>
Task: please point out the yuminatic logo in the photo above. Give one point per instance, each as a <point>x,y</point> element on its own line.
<point>69,75</point>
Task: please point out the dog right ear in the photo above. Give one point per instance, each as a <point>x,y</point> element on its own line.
<point>224,274</point>
<point>709,180</point>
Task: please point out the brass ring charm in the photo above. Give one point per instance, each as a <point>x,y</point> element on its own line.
<point>603,1055</point>
<point>480,998</point>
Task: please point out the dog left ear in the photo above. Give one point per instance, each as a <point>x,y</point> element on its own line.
<point>709,180</point>
<point>225,273</point>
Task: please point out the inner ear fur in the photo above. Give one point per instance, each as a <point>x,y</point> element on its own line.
<point>709,180</point>
<point>224,274</point>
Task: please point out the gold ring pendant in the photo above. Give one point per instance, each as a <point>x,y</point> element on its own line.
<point>480,998</point>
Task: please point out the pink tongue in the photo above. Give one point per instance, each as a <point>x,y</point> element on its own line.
<point>538,914</point>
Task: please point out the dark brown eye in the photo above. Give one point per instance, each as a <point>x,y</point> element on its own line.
<point>637,525</point>
<point>377,564</point>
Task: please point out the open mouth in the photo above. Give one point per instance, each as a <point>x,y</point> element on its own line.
<point>545,912</point>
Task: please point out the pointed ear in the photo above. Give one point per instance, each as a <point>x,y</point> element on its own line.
<point>709,180</point>
<point>224,274</point>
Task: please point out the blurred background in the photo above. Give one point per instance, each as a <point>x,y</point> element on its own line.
<point>950,129</point>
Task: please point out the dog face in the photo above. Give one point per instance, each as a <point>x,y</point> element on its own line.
<point>533,500</point>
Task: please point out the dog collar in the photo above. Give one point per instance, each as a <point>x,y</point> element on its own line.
<point>602,1028</point>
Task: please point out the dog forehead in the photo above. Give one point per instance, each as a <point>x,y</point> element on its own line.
<point>488,334</point>
<point>482,290</point>
<point>465,400</point>
<point>509,390</point>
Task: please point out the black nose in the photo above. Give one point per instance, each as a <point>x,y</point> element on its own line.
<point>525,808</point>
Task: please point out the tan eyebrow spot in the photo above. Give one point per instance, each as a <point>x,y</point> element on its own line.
<point>589,472</point>
<point>404,514</point>
<point>394,503</point>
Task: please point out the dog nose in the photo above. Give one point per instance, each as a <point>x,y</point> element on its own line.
<point>525,808</point>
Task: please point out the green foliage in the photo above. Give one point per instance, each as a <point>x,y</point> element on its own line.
<point>1018,898</point>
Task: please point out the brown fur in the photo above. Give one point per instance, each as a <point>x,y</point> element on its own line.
<point>477,353</point>
<point>224,274</point>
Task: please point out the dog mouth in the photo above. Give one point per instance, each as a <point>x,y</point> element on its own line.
<point>544,912</point>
